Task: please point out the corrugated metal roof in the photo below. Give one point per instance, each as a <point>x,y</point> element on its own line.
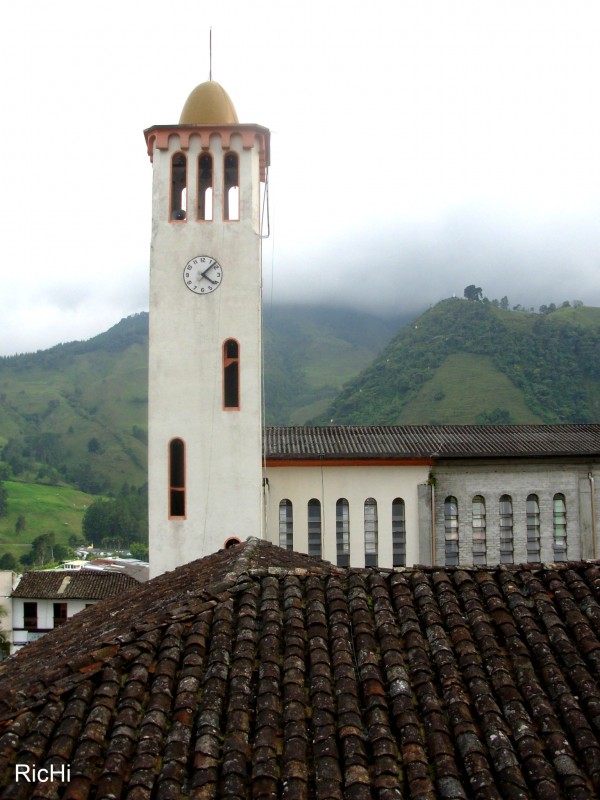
<point>73,585</point>
<point>431,441</point>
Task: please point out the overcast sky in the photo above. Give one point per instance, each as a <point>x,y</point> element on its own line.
<point>417,147</point>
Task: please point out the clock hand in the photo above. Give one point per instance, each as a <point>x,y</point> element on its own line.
<point>204,275</point>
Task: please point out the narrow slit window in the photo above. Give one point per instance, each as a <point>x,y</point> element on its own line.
<point>506,530</point>
<point>560,528</point>
<point>205,187</point>
<point>178,187</point>
<point>314,528</point>
<point>286,525</point>
<point>342,532</point>
<point>231,374</point>
<point>451,531</point>
<point>371,532</point>
<point>231,188</point>
<point>176,478</point>
<point>398,533</point>
<point>479,530</point>
<point>533,528</point>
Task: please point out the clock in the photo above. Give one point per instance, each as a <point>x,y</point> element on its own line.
<point>203,274</point>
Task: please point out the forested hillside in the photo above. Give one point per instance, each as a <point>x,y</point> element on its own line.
<point>312,351</point>
<point>77,413</point>
<point>468,361</point>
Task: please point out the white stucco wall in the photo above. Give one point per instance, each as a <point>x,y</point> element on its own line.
<point>355,483</point>
<point>464,480</point>
<point>187,331</point>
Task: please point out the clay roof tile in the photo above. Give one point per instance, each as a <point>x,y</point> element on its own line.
<point>259,672</point>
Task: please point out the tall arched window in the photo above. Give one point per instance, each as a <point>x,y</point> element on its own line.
<point>560,528</point>
<point>451,530</point>
<point>314,528</point>
<point>533,528</point>
<point>506,530</point>
<point>371,532</point>
<point>479,530</point>
<point>176,478</point>
<point>205,187</point>
<point>231,188</point>
<point>231,374</point>
<point>342,532</point>
<point>286,525</point>
<point>398,533</point>
<point>178,187</point>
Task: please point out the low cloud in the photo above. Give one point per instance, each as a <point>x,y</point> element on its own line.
<point>404,267</point>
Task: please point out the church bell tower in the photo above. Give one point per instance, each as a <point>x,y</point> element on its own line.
<point>205,361</point>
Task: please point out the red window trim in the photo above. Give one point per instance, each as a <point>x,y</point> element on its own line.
<point>232,541</point>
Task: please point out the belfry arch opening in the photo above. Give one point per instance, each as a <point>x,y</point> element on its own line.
<point>178,187</point>
<point>231,187</point>
<point>205,187</point>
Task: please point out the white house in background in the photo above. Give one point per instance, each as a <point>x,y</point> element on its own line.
<point>140,570</point>
<point>74,564</point>
<point>45,599</point>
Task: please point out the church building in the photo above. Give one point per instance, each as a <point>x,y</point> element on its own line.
<point>369,496</point>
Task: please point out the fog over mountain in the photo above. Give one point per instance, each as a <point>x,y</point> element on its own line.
<point>412,154</point>
<point>406,267</point>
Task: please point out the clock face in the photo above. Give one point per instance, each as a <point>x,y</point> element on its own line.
<point>203,274</point>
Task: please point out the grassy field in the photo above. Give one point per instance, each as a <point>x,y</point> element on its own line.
<point>450,397</point>
<point>584,316</point>
<point>46,509</point>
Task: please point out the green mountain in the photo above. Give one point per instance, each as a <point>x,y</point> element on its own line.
<point>466,361</point>
<point>77,413</point>
<point>311,352</point>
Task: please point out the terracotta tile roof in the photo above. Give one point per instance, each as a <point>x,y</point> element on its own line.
<point>262,673</point>
<point>431,441</point>
<point>73,585</point>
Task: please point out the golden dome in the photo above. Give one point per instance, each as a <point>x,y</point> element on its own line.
<point>208,104</point>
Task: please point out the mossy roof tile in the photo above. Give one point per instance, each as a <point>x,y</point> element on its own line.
<point>259,672</point>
